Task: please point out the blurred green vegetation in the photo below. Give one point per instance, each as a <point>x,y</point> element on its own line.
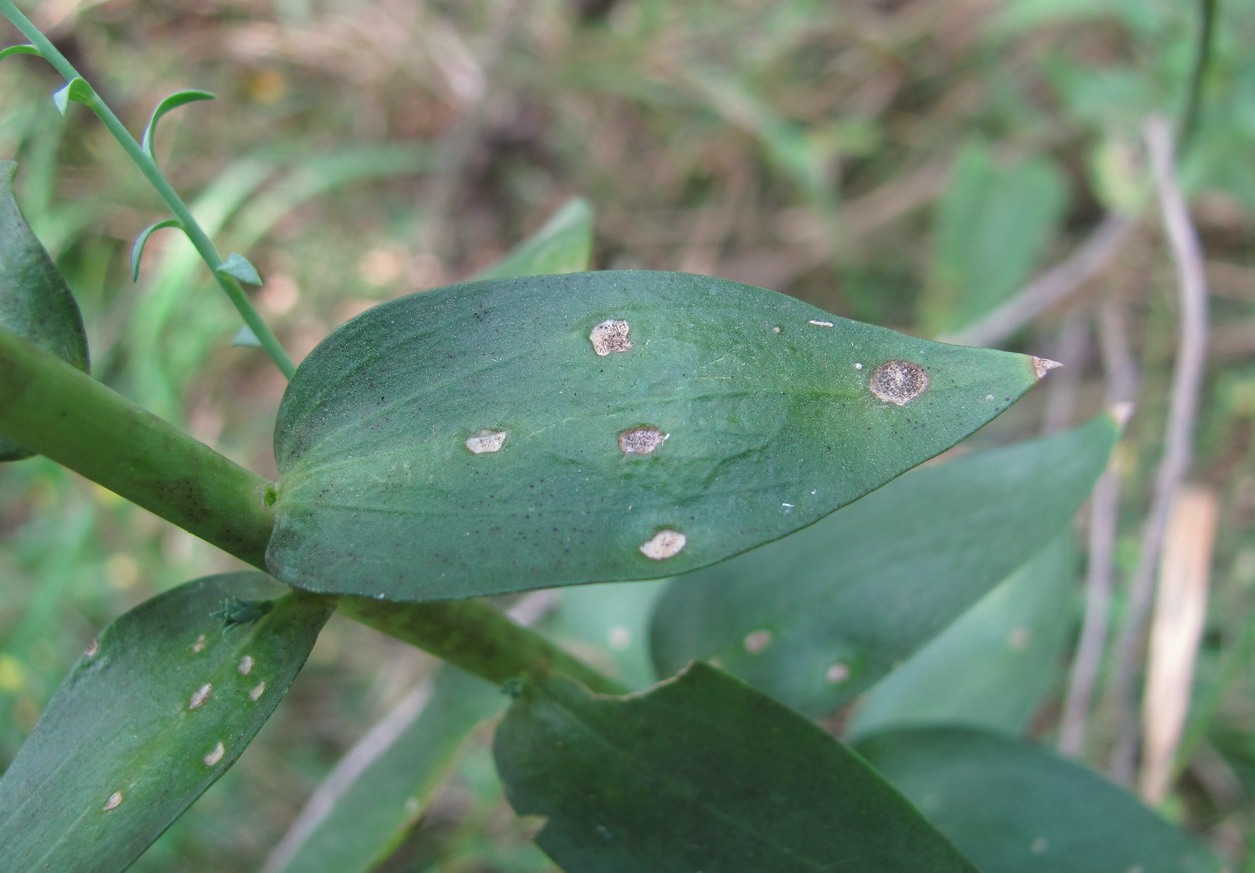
<point>908,162</point>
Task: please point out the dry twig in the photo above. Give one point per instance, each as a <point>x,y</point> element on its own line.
<point>1187,378</point>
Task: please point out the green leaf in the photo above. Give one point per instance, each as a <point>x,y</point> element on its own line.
<point>512,434</point>
<point>816,619</point>
<point>1008,648</point>
<point>1015,808</point>
<point>563,245</point>
<point>701,773</point>
<point>992,227</point>
<point>26,49</point>
<point>609,625</point>
<point>77,91</point>
<point>137,249</point>
<point>245,338</point>
<point>240,268</point>
<point>384,786</point>
<point>151,716</point>
<point>35,301</point>
<point>179,98</point>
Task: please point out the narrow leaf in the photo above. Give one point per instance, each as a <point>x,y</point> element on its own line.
<point>137,249</point>
<point>381,788</point>
<point>35,301</point>
<point>26,49</point>
<point>239,267</point>
<point>76,91</point>
<point>1015,808</point>
<point>563,245</point>
<point>179,98</point>
<point>1009,649</point>
<point>510,434</point>
<point>151,716</point>
<point>701,773</point>
<point>816,619</point>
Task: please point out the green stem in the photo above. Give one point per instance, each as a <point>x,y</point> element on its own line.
<point>1202,61</point>
<point>52,408</point>
<point>200,240</point>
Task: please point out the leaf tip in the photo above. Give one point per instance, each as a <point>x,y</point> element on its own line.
<point>1042,366</point>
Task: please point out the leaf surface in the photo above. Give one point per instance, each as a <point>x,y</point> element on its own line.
<point>816,619</point>
<point>146,721</point>
<point>1009,650</point>
<point>701,773</point>
<point>35,301</point>
<point>1016,808</point>
<point>511,434</point>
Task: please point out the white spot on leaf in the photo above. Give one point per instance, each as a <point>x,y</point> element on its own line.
<point>1020,638</point>
<point>114,801</point>
<point>246,665</point>
<point>609,337</point>
<point>837,673</point>
<point>858,365</point>
<point>199,696</point>
<point>821,323</point>
<point>486,441</point>
<point>620,637</point>
<point>757,641</point>
<point>641,440</point>
<point>215,755</point>
<point>898,382</point>
<point>1039,846</point>
<point>665,544</point>
<point>199,645</point>
<point>92,649</point>
<point>257,692</point>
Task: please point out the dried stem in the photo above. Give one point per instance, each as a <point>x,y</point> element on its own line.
<point>1186,253</point>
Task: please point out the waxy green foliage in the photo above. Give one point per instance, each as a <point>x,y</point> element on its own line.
<point>150,717</point>
<point>702,773</point>
<point>35,302</point>
<point>1013,807</point>
<point>816,619</point>
<point>512,434</point>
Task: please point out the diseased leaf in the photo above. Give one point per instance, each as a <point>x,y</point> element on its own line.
<point>503,435</point>
<point>1015,808</point>
<point>384,785</point>
<point>148,719</point>
<point>563,245</point>
<point>35,301</point>
<point>1008,650</point>
<point>818,618</point>
<point>701,773</point>
<point>179,98</point>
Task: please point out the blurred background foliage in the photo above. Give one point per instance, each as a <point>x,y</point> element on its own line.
<point>909,162</point>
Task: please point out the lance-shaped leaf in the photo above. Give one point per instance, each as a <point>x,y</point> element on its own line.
<point>35,301</point>
<point>702,773</point>
<point>383,786</point>
<point>1015,808</point>
<point>149,718</point>
<point>818,618</point>
<point>552,430</point>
